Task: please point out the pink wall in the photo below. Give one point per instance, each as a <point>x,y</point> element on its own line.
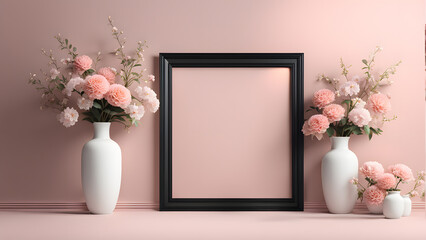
<point>40,160</point>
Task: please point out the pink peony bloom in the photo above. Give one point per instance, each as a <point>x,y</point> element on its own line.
<point>118,96</point>
<point>323,97</point>
<point>359,116</point>
<point>82,63</point>
<point>372,170</point>
<point>316,125</point>
<point>68,117</point>
<point>96,86</point>
<point>379,103</point>
<point>374,195</point>
<point>386,181</point>
<point>334,112</point>
<point>108,73</point>
<point>402,171</point>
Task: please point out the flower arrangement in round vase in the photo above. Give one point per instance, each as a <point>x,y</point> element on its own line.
<point>103,95</point>
<point>383,185</point>
<point>360,109</point>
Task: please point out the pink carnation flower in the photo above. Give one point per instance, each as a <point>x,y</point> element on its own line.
<point>316,125</point>
<point>379,103</point>
<point>402,171</point>
<point>82,63</point>
<point>323,97</point>
<point>96,86</point>
<point>334,112</point>
<point>386,181</point>
<point>372,170</point>
<point>374,195</point>
<point>118,96</point>
<point>359,116</point>
<point>108,73</point>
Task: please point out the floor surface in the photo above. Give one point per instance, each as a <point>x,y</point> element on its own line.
<point>151,225</point>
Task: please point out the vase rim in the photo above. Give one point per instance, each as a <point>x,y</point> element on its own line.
<point>395,191</point>
<point>102,123</point>
<point>339,137</point>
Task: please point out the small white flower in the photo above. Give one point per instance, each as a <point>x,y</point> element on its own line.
<point>114,29</point>
<point>73,83</point>
<point>114,70</point>
<point>151,77</point>
<point>54,73</point>
<point>84,103</point>
<point>145,93</point>
<point>349,88</point>
<point>68,117</point>
<point>128,57</point>
<point>135,111</point>
<point>359,103</point>
<point>152,105</point>
<point>65,61</point>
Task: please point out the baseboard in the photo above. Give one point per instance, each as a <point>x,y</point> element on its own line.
<point>73,206</point>
<point>309,206</point>
<point>321,206</point>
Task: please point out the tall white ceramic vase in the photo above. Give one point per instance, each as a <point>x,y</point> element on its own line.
<point>101,170</point>
<point>338,167</point>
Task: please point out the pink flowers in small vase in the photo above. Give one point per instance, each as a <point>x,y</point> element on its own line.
<point>101,94</point>
<point>360,109</point>
<point>379,181</point>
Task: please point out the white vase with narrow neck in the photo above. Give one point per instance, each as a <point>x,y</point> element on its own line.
<point>407,205</point>
<point>338,167</point>
<point>393,205</point>
<point>101,170</point>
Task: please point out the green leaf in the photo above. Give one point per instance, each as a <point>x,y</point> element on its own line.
<point>96,113</point>
<point>370,135</point>
<point>70,46</point>
<point>74,49</point>
<point>330,131</point>
<point>66,42</point>
<point>347,102</point>
<point>88,119</point>
<point>343,121</point>
<point>137,65</point>
<point>364,61</point>
<point>97,105</point>
<point>61,86</point>
<point>367,129</point>
<point>135,73</point>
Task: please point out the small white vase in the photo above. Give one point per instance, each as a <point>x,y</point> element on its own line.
<point>375,209</point>
<point>407,206</point>
<point>393,205</point>
<point>338,167</point>
<point>101,170</point>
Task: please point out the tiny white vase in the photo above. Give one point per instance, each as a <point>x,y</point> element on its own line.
<point>393,205</point>
<point>375,209</point>
<point>338,167</point>
<point>101,170</point>
<point>407,206</point>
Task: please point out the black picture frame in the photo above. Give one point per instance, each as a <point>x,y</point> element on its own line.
<point>293,61</point>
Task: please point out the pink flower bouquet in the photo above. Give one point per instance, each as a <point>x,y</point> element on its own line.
<point>379,181</point>
<point>101,94</point>
<point>362,107</point>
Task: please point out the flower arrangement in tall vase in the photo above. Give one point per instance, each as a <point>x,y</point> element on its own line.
<point>355,105</point>
<point>79,85</point>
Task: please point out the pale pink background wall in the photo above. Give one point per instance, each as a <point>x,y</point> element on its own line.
<point>40,160</point>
